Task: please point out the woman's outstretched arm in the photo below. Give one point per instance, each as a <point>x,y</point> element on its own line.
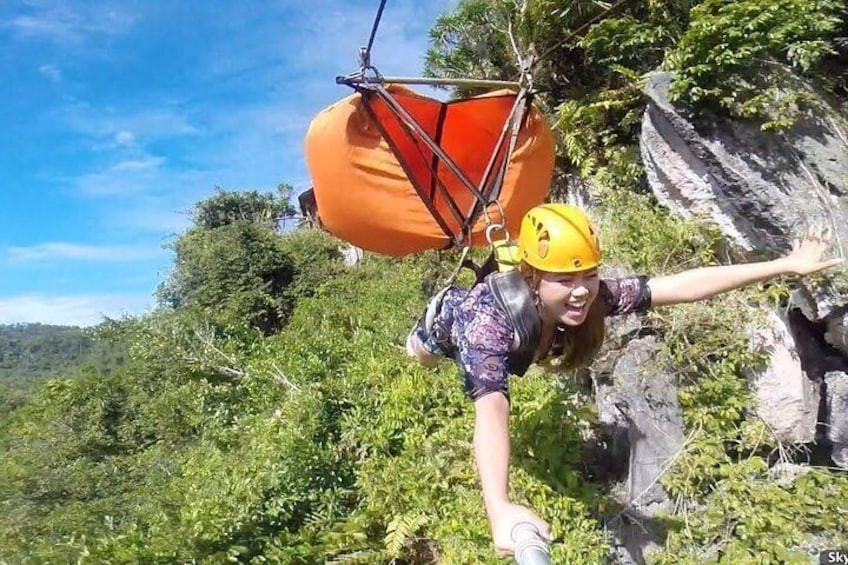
<point>706,282</point>
<point>491,450</point>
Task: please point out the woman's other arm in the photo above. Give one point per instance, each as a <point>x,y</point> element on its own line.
<point>706,282</point>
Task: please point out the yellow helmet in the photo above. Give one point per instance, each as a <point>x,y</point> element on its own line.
<point>558,238</point>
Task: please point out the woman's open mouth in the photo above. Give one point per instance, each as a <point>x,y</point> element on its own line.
<point>576,307</point>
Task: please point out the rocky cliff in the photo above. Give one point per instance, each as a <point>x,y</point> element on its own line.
<point>762,189</point>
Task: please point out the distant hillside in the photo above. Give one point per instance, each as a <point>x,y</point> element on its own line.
<point>33,353</point>
<point>38,349</point>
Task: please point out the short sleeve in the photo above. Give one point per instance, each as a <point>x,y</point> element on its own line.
<point>483,336</point>
<point>626,295</point>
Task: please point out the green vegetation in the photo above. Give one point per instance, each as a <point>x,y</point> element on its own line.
<point>266,413</point>
<point>738,55</point>
<point>31,354</point>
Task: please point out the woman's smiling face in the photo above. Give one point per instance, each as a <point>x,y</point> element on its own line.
<point>564,298</point>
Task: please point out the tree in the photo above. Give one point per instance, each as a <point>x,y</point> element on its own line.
<point>235,272</point>
<point>228,207</point>
<point>568,41</point>
<point>234,266</point>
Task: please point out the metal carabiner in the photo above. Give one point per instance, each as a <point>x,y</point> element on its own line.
<point>501,213</point>
<point>491,228</point>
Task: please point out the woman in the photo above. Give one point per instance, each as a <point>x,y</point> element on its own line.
<point>553,306</point>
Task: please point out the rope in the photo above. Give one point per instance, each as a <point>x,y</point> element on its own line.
<point>366,53</point>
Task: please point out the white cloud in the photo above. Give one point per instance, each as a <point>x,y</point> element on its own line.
<point>124,126</point>
<point>139,164</point>
<point>124,138</point>
<point>63,22</point>
<point>71,310</point>
<point>138,176</point>
<point>51,72</point>
<point>54,26</point>
<point>63,250</point>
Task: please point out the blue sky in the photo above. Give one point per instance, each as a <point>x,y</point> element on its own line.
<point>117,116</point>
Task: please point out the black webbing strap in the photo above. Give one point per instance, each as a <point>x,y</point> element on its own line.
<point>492,182</point>
<point>410,122</point>
<point>422,194</point>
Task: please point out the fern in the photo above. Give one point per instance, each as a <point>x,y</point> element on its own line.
<point>399,530</point>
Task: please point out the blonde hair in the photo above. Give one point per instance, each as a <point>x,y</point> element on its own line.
<point>576,346</point>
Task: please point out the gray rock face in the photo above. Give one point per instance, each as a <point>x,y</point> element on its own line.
<point>762,188</point>
<point>787,398</point>
<point>352,255</point>
<point>648,401</point>
<point>765,189</point>
<point>785,474</point>
<point>837,408</point>
<point>639,407</point>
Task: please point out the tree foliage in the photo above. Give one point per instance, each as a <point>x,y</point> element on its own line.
<point>741,56</point>
<point>233,266</point>
<point>238,271</point>
<point>229,207</point>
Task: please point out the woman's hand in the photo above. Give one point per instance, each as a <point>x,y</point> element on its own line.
<point>505,516</point>
<point>806,256</point>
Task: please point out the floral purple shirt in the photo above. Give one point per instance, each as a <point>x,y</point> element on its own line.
<point>482,334</point>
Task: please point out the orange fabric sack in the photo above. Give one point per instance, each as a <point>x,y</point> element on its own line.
<point>365,182</point>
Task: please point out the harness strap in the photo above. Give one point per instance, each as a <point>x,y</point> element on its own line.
<point>513,295</point>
